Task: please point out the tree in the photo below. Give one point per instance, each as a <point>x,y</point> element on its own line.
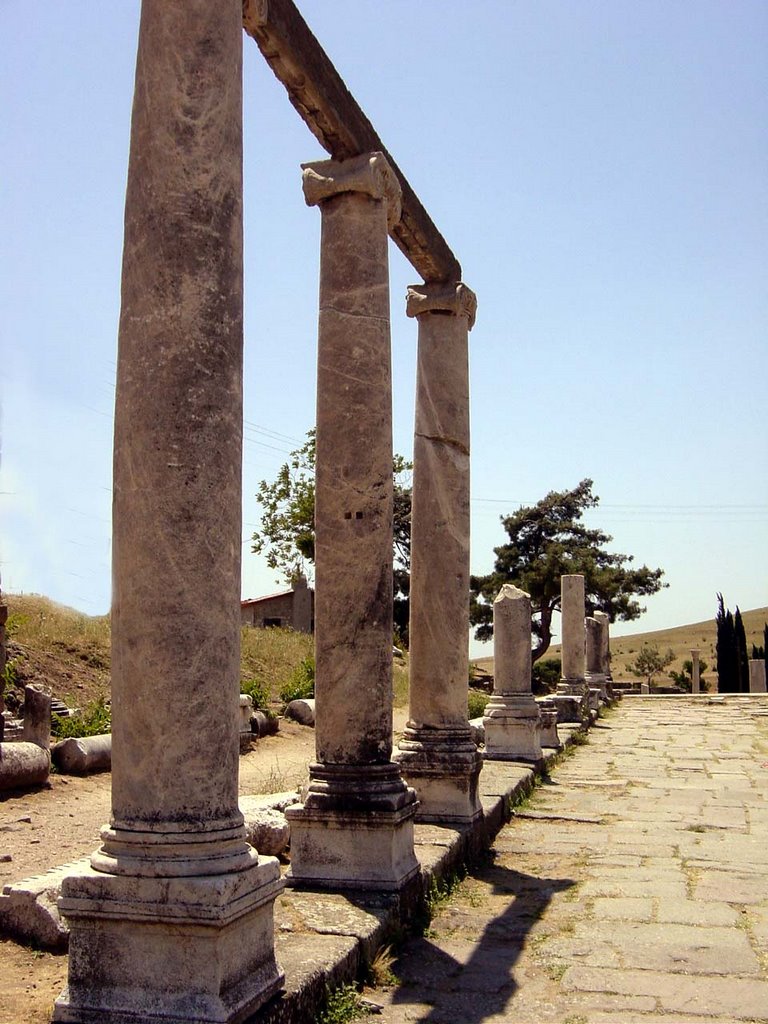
<point>287,534</point>
<point>742,658</point>
<point>727,650</point>
<point>548,540</point>
<point>650,661</point>
<point>684,679</point>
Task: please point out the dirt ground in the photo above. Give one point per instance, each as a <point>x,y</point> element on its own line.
<point>61,822</point>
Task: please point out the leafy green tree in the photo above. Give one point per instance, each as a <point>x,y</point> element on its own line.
<point>287,534</point>
<point>650,661</point>
<point>684,679</point>
<point>549,540</point>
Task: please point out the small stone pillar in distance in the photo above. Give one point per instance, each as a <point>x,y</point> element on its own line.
<point>174,921</point>
<point>595,676</point>
<point>355,826</point>
<point>695,670</point>
<point>512,722</point>
<point>3,660</point>
<point>605,651</point>
<point>757,675</point>
<point>437,754</point>
<point>37,716</point>
<point>573,646</point>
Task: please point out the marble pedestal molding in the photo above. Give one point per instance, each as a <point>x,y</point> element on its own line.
<point>548,711</point>
<point>512,720</point>
<point>573,647</point>
<point>173,921</point>
<point>437,754</point>
<point>354,828</point>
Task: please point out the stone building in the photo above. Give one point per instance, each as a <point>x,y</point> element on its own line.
<point>294,607</point>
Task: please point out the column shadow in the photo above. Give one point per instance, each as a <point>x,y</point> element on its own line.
<point>483,985</point>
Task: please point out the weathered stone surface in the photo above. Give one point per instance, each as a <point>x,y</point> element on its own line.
<point>267,830</point>
<point>175,921</point>
<point>29,911</point>
<point>512,720</point>
<point>302,710</point>
<point>356,823</point>
<point>437,754</point>
<point>695,670</point>
<point>757,682</point>
<point>570,707</point>
<point>23,765</point>
<point>81,755</point>
<point>37,716</point>
<point>573,636</point>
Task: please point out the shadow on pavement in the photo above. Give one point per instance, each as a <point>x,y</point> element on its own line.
<point>469,990</point>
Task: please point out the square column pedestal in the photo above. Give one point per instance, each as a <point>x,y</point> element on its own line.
<point>172,950</point>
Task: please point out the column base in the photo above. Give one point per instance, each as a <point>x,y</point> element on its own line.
<point>443,766</point>
<point>333,849</point>
<point>512,728</point>
<point>576,687</point>
<point>548,712</point>
<point>598,680</point>
<point>571,707</point>
<point>171,950</point>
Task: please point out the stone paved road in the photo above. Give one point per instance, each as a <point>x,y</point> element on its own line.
<point>632,887</point>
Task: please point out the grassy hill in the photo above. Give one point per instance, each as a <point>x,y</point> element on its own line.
<point>680,639</point>
<point>70,652</point>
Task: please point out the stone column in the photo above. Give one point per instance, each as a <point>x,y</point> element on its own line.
<point>573,647</point>
<point>355,827</point>
<point>757,675</point>
<point>437,754</point>
<point>605,650</point>
<point>174,922</point>
<point>512,721</point>
<point>695,670</point>
<point>595,676</point>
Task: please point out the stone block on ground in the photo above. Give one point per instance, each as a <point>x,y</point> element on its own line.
<point>302,711</point>
<point>29,912</point>
<point>82,755</point>
<point>23,765</point>
<point>266,826</point>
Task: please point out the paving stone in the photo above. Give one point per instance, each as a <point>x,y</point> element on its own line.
<point>737,998</point>
<point>696,912</point>
<point>730,887</point>
<point>628,909</point>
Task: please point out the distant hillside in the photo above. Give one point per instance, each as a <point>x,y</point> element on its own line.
<point>681,639</point>
<point>69,652</point>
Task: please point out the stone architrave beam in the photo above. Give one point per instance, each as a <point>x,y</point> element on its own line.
<point>173,921</point>
<point>437,754</point>
<point>334,117</point>
<point>355,826</point>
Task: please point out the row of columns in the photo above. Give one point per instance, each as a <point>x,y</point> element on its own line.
<point>173,919</point>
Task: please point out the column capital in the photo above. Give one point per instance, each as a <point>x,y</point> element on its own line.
<point>453,298</point>
<point>369,173</point>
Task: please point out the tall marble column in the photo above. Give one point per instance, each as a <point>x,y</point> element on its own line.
<point>573,647</point>
<point>174,920</point>
<point>512,721</point>
<point>355,827</point>
<point>695,670</point>
<point>437,754</point>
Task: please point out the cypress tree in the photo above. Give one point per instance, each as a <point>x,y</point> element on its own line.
<point>727,655</point>
<point>742,659</point>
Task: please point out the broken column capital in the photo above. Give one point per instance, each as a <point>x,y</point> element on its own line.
<point>452,298</point>
<point>369,174</point>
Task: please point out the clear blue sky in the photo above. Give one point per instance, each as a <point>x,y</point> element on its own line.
<point>599,168</point>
